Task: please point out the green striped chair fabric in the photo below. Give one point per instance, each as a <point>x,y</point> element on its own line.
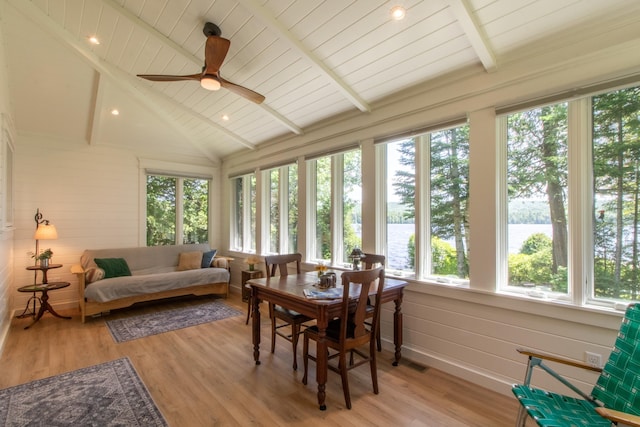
<point>618,386</point>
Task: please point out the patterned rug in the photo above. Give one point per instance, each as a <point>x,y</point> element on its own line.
<point>144,325</point>
<point>109,394</point>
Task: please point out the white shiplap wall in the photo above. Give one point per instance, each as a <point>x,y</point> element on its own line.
<point>92,194</point>
<point>89,193</point>
<point>6,234</point>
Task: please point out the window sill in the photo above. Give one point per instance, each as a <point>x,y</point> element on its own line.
<point>593,315</point>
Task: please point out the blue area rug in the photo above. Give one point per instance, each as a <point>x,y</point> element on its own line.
<point>109,394</point>
<point>144,325</point>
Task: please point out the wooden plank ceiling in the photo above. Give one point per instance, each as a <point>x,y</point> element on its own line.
<point>311,60</point>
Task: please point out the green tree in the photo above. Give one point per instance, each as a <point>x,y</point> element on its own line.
<point>537,167</point>
<point>449,190</point>
<point>533,263</point>
<point>162,206</point>
<point>616,154</point>
<point>195,210</point>
<point>274,210</point>
<point>161,210</point>
<point>352,176</point>
<point>293,207</point>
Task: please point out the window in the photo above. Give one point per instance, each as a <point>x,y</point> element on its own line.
<point>616,198</point>
<point>537,173</point>
<point>336,192</point>
<point>449,200</point>
<point>401,189</point>
<point>602,231</point>
<point>439,162</point>
<point>243,213</point>
<point>283,209</point>
<point>177,210</point>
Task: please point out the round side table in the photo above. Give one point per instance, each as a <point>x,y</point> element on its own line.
<point>44,288</point>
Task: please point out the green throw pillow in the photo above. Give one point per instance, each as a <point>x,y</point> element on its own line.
<point>113,267</point>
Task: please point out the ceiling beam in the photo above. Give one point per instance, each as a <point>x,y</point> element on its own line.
<point>120,78</point>
<point>96,106</point>
<point>272,23</point>
<point>472,29</point>
<point>166,41</point>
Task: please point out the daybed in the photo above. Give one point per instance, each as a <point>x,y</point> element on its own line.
<point>117,278</point>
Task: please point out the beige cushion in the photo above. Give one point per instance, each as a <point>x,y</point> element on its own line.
<point>93,275</point>
<point>220,263</point>
<point>189,260</point>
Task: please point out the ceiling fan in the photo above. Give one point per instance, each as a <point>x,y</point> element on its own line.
<point>214,53</point>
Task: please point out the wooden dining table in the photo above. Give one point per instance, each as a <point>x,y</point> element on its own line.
<point>288,292</point>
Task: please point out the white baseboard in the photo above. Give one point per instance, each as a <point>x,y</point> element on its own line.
<point>465,372</point>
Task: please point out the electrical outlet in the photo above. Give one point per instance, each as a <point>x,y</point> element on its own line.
<point>593,359</point>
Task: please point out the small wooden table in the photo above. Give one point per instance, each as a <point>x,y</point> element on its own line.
<point>288,292</point>
<point>44,299</point>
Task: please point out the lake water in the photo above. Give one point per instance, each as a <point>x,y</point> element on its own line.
<point>398,237</point>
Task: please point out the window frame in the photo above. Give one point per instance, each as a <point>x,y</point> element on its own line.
<point>580,205</point>
<point>422,221</point>
<point>284,235</point>
<point>248,244</point>
<point>179,200</point>
<point>337,189</point>
<point>175,170</point>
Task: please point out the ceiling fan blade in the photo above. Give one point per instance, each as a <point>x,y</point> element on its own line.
<point>214,53</point>
<point>241,90</point>
<point>167,78</point>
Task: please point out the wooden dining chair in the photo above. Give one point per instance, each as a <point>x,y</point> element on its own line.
<point>291,318</point>
<point>347,333</point>
<point>370,261</point>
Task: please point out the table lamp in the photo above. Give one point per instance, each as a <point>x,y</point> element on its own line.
<point>356,256</point>
<point>44,231</point>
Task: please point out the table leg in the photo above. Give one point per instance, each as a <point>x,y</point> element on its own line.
<point>321,363</point>
<point>50,309</point>
<point>45,306</point>
<point>27,312</point>
<point>397,329</point>
<point>255,303</point>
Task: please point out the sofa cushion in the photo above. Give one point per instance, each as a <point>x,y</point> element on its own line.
<point>124,287</point>
<point>93,274</point>
<point>144,260</point>
<point>113,267</point>
<point>189,260</point>
<point>207,258</point>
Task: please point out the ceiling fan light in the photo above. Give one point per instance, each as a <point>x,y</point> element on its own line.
<point>209,82</point>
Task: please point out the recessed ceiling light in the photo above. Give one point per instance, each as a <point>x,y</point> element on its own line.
<point>225,117</point>
<point>398,12</point>
<point>115,112</point>
<point>94,40</point>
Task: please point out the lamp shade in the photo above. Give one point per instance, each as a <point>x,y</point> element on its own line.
<point>46,232</point>
<point>356,253</point>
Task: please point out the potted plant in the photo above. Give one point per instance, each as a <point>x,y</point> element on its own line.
<point>43,257</point>
<point>252,260</point>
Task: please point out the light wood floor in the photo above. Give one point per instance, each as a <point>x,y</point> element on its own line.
<point>205,376</point>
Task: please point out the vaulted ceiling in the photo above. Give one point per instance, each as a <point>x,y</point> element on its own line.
<point>312,60</point>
